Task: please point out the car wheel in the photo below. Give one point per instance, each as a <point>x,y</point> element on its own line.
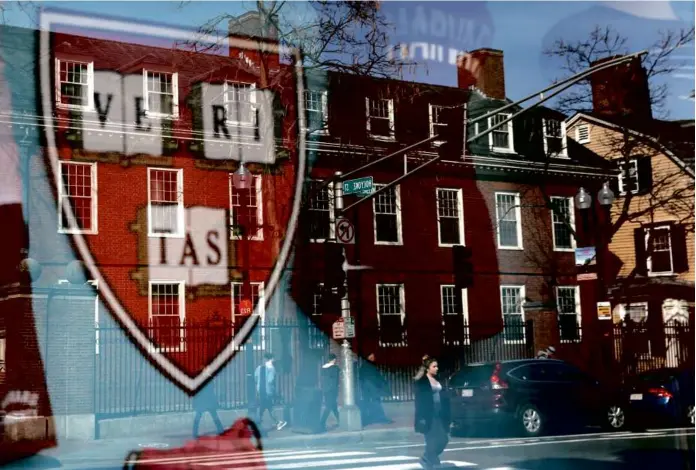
<point>615,418</point>
<point>531,420</point>
<point>690,415</point>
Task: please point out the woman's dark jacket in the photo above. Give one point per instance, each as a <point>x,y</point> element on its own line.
<point>425,406</point>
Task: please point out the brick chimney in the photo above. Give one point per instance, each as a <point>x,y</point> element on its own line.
<point>621,91</point>
<point>484,69</point>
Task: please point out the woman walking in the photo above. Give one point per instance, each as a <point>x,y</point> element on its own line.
<point>432,414</point>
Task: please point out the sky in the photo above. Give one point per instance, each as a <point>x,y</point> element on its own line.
<point>523,30</point>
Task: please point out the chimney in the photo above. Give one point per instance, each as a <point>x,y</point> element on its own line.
<point>621,91</point>
<point>484,69</point>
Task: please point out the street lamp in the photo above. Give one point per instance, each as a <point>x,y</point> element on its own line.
<point>605,196</point>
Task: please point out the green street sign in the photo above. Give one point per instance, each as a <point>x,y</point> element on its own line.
<point>359,186</point>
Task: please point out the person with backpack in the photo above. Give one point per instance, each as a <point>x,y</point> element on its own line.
<point>265,377</point>
<point>330,375</point>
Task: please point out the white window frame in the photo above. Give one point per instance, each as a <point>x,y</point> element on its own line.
<point>390,110</point>
<point>252,99</point>
<point>399,228</point>
<point>564,139</point>
<point>433,124</point>
<point>324,96</point>
<point>180,212</point>
<point>648,258</point>
<point>571,216</point>
<point>402,313</point>
<point>90,86</point>
<point>465,308</point>
<point>259,311</point>
<point>511,147</point>
<point>578,134</point>
<point>522,290</point>
<point>578,311</point>
<point>317,299</point>
<point>94,283</point>
<point>623,309</point>
<point>258,183</point>
<point>460,218</point>
<point>94,229</point>
<point>182,313</point>
<point>631,162</point>
<point>175,97</point>
<point>518,216</point>
<point>332,212</point>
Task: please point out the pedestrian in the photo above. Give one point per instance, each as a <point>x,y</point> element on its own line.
<point>373,387</point>
<point>432,414</point>
<point>265,376</point>
<point>421,369</point>
<point>330,375</point>
<point>206,401</point>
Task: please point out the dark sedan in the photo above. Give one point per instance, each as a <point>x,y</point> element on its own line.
<point>662,396</point>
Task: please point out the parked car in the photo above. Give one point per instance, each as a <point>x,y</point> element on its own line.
<point>534,394</point>
<point>662,396</point>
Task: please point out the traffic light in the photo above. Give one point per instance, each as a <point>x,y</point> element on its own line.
<point>463,267</point>
<point>450,135</point>
<point>334,275</point>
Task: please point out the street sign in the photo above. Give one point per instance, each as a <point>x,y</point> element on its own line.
<point>350,327</point>
<point>587,276</point>
<point>345,232</point>
<point>359,186</point>
<point>604,310</point>
<point>344,328</point>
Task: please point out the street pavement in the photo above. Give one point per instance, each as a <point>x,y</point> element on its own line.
<point>657,449</point>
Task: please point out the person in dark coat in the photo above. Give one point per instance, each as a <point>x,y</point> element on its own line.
<point>432,417</point>
<point>329,386</point>
<point>206,401</point>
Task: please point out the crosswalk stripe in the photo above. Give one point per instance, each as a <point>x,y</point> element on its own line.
<point>413,466</point>
<point>226,455</point>
<point>285,457</point>
<point>326,463</point>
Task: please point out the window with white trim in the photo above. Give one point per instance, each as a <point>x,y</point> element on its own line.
<point>246,210</point>
<point>563,217</point>
<point>380,118</point>
<point>317,299</point>
<point>582,134</point>
<point>167,315</point>
<point>316,104</point>
<point>512,301</point>
<point>509,215</point>
<point>94,283</point>
<point>628,180</point>
<point>77,193</point>
<point>568,303</point>
<point>450,217</point>
<point>436,116</point>
<point>258,338</point>
<point>554,138</point>
<point>658,247</point>
<point>455,315</point>
<point>321,211</point>
<point>636,311</point>
<point>240,103</point>
<point>387,216</point>
<point>501,139</point>
<point>165,202</point>
<point>75,84</point>
<point>317,338</point>
<point>161,90</point>
<point>391,315</point>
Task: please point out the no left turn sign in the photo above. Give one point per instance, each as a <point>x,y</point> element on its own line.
<point>345,232</point>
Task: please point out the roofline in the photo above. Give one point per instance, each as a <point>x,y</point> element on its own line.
<point>667,151</point>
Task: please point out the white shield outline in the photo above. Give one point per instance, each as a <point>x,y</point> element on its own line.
<point>48,18</point>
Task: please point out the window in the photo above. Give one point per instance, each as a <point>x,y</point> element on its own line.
<point>512,300</point>
<point>582,134</point>
<point>380,118</point>
<point>658,246</point>
<point>316,104</point>
<point>436,119</point>
<point>166,202</point>
<point>507,206</point>
<point>450,217</point>
<point>636,311</point>
<point>246,211</point>
<point>77,193</point>
<point>628,180</point>
<point>554,138</point>
<point>161,93</point>
<point>500,140</point>
<point>167,315</point>
<point>563,217</point>
<point>75,84</point>
<point>321,213</point>
<point>455,315</point>
<point>94,284</point>
<point>391,314</point>
<point>568,302</point>
<point>317,299</point>
<point>240,103</point>
<point>258,337</point>
<point>387,210</point>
